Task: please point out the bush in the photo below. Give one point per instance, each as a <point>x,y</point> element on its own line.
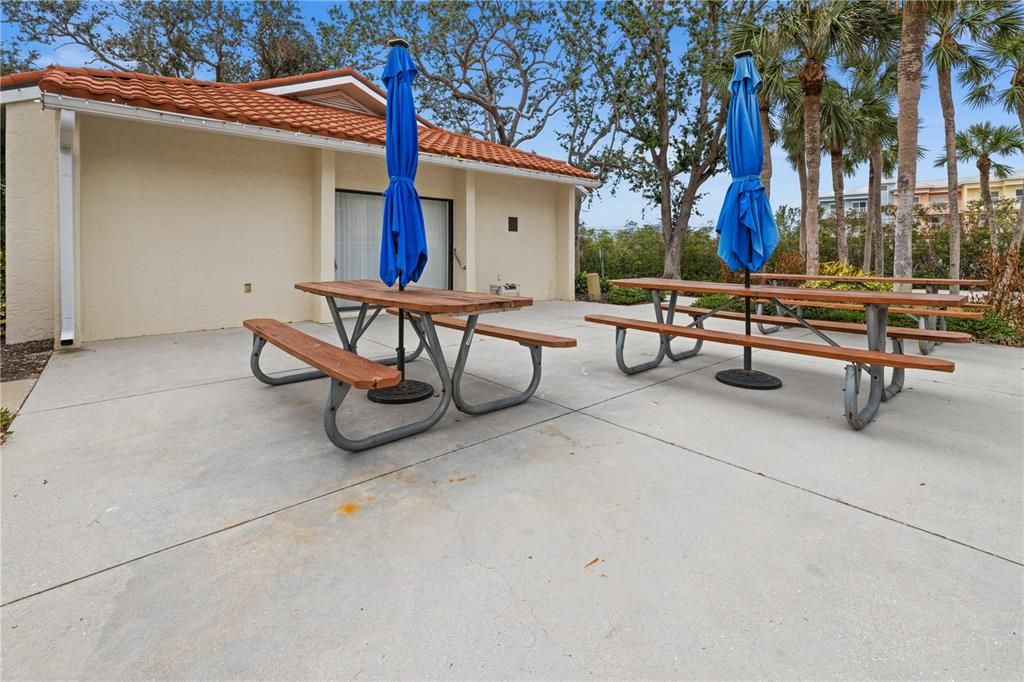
<point>837,269</point>
<point>627,296</point>
<point>991,328</point>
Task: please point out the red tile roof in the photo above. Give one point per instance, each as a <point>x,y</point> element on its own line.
<point>240,103</point>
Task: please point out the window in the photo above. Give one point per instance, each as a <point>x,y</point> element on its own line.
<point>917,200</point>
<point>1019,195</point>
<point>357,224</point>
<point>994,196</point>
<point>859,205</point>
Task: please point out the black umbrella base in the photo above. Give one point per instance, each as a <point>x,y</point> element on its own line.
<point>749,378</point>
<point>409,391</point>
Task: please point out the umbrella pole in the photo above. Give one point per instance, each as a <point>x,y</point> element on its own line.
<point>746,300</point>
<point>409,390</point>
<point>401,332</point>
<point>748,377</point>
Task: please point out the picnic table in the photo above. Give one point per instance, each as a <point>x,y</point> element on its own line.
<point>874,360</point>
<point>427,309</point>
<point>935,320</point>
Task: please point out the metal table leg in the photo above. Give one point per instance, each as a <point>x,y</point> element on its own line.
<point>360,326</point>
<point>928,322</point>
<point>339,391</point>
<point>877,317</point>
<point>501,403</point>
<point>620,342</point>
<point>667,339</point>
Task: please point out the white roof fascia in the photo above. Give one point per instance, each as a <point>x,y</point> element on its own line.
<point>19,94</point>
<point>124,111</point>
<point>325,84</point>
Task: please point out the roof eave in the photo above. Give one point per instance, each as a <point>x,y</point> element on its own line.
<point>125,111</point>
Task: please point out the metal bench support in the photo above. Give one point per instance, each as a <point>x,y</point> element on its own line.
<point>339,390</point>
<point>460,368</point>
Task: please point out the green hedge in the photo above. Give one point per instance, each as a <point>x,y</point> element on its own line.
<point>989,328</point>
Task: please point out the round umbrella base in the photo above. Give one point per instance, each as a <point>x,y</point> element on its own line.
<point>749,378</point>
<point>409,391</point>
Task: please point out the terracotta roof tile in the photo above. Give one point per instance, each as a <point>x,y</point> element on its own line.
<point>239,103</point>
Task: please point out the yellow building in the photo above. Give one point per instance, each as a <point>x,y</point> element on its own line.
<point>1001,188</point>
<point>932,194</point>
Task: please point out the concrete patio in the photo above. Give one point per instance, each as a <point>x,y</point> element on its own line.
<point>165,515</point>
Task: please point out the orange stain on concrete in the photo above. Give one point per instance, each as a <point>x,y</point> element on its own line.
<point>348,509</point>
<point>460,479</point>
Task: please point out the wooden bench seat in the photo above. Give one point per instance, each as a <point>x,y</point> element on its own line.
<point>335,362</point>
<point>917,312</point>
<point>830,326</point>
<point>854,355</point>
<point>527,338</point>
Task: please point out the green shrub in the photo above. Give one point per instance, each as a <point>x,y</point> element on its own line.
<point>6,417</point>
<point>991,328</point>
<point>837,269</point>
<point>627,296</point>
<point>581,283</point>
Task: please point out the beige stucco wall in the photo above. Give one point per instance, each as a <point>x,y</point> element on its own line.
<point>532,256</point>
<point>31,221</point>
<point>172,223</point>
<point>175,222</point>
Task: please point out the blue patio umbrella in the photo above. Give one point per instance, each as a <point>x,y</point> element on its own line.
<point>403,242</point>
<point>746,228</point>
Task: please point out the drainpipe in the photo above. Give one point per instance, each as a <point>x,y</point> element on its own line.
<point>66,226</point>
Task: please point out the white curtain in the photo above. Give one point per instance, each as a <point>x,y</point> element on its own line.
<point>358,219</point>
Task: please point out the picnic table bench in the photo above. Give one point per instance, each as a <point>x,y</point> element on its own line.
<point>347,369</point>
<point>874,360</point>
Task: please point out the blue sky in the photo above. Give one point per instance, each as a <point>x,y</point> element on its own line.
<point>615,210</point>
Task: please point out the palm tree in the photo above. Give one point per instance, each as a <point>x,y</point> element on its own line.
<point>980,143</point>
<point>955,26</point>
<point>908,96</point>
<point>816,31</point>
<point>1005,55</point>
<point>839,129</point>
<point>792,138</point>
<point>777,81</point>
<point>874,88</point>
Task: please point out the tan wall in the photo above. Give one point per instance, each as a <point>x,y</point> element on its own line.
<point>530,256</point>
<point>174,222</point>
<point>31,218</point>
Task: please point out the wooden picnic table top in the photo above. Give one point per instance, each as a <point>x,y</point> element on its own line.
<point>415,298</point>
<point>923,281</point>
<point>764,291</point>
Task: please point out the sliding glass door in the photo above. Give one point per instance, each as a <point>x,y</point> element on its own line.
<point>358,217</point>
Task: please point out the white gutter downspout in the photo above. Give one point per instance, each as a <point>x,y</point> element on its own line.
<point>66,226</point>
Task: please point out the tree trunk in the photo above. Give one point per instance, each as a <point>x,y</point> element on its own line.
<point>1018,231</point>
<point>869,225</point>
<point>766,156</point>
<point>668,233</point>
<point>908,96</point>
<point>812,152</point>
<point>952,182</point>
<point>801,171</point>
<point>876,220</point>
<point>838,191</point>
<point>984,167</point>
